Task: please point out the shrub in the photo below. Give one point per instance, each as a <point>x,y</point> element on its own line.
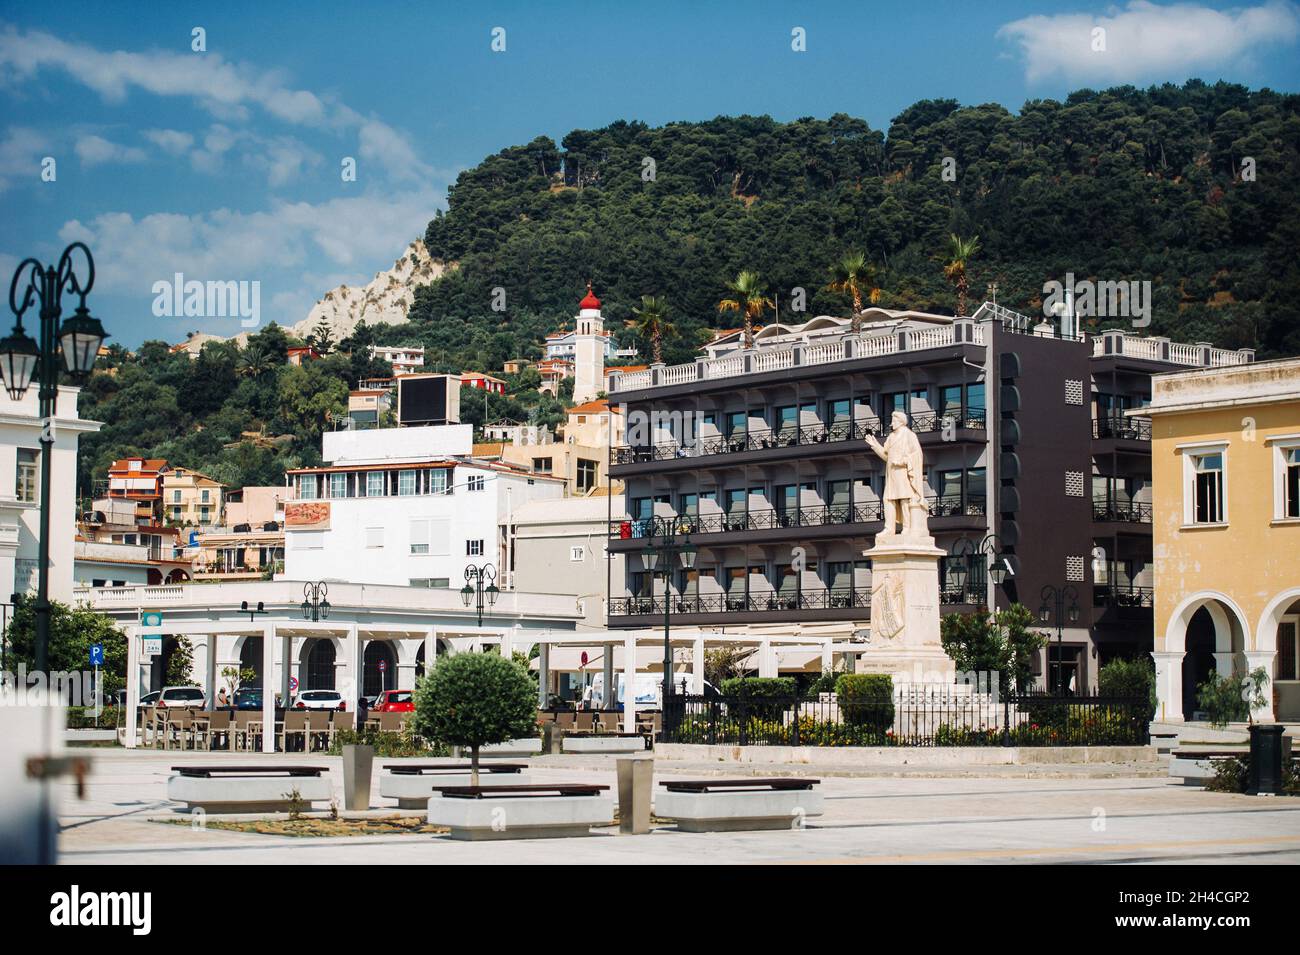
<point>1129,678</point>
<point>866,699</point>
<point>475,699</point>
<point>824,683</point>
<point>388,745</point>
<point>752,694</point>
<point>1220,698</point>
<point>1231,775</point>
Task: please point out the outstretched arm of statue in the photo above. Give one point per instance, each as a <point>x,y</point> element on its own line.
<point>876,446</point>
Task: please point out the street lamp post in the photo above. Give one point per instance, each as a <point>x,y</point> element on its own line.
<point>315,602</point>
<point>484,585</point>
<point>24,359</point>
<point>669,545</point>
<point>1053,607</point>
<point>999,564</point>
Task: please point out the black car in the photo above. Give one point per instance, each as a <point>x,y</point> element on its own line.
<point>248,698</point>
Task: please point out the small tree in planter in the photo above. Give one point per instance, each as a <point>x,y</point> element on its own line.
<point>474,700</point>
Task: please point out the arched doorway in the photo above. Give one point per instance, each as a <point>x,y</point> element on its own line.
<point>250,658</point>
<point>1278,635</point>
<point>374,679</point>
<point>319,672</point>
<point>1207,633</point>
<point>1198,661</point>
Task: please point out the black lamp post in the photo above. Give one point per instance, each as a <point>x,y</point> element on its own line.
<point>669,545</point>
<point>315,602</point>
<point>483,587</point>
<point>253,612</point>
<point>24,359</point>
<point>1054,608</point>
<point>999,564</point>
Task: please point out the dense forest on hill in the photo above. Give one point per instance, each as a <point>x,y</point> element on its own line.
<point>1194,188</point>
<point>1124,184</point>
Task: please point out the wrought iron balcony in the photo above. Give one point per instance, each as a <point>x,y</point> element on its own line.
<point>1124,596</point>
<point>1122,428</point>
<point>766,439</point>
<point>1123,512</point>
<point>772,601</point>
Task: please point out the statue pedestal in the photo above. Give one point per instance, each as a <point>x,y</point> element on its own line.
<point>905,611</point>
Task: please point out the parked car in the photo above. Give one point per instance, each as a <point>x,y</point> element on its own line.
<point>320,700</point>
<point>175,696</point>
<point>248,698</point>
<point>396,701</point>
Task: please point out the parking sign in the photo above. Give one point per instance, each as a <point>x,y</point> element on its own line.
<point>97,654</point>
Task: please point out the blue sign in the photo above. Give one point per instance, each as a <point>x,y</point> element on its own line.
<point>97,654</point>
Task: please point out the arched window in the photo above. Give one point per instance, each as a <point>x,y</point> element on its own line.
<point>320,665</point>
<point>250,658</point>
<point>375,680</point>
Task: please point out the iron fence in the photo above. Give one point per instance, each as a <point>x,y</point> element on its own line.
<point>916,715</point>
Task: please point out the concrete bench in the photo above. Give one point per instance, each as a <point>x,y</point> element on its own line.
<point>1164,742</point>
<point>480,813</point>
<point>1194,766</point>
<point>412,784</point>
<point>605,743</point>
<point>737,805</point>
<point>219,789</point>
<point>525,746</point>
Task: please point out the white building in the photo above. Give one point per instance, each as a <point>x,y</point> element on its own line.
<point>589,345</point>
<point>405,359</point>
<point>20,488</point>
<point>402,506</point>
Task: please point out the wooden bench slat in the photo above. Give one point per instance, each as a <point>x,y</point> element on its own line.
<point>756,784</point>
<point>521,791</point>
<point>422,768</point>
<point>207,771</point>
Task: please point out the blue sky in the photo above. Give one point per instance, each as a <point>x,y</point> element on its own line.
<point>225,164</point>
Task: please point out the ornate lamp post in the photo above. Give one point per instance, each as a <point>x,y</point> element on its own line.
<point>483,586</point>
<point>315,601</point>
<point>24,359</point>
<point>999,564</point>
<point>669,545</point>
<point>1053,607</point>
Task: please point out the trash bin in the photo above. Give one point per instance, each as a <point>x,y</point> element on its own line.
<point>635,779</point>
<point>1266,760</point>
<point>357,763</point>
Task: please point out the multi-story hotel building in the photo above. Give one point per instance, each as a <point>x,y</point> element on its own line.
<point>761,456</point>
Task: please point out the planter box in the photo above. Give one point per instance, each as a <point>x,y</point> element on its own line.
<point>526,746</point>
<point>514,817</point>
<point>604,744</point>
<point>414,792</point>
<point>246,793</point>
<point>739,811</point>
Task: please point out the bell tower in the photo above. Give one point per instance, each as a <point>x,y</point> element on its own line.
<point>588,350</point>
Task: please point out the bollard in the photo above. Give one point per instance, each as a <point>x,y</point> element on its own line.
<point>1266,760</point>
<point>635,781</point>
<point>357,763</point>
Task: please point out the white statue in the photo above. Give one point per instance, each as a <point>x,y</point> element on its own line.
<point>904,481</point>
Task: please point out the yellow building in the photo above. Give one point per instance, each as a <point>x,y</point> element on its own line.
<point>191,499</point>
<point>1225,462</point>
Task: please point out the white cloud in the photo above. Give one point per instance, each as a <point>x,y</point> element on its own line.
<point>171,141</point>
<point>288,247</point>
<point>1146,41</point>
<point>21,152</point>
<point>226,90</point>
<point>94,150</point>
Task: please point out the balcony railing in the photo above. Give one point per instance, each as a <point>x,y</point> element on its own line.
<point>1124,512</point>
<point>791,437</point>
<point>1124,429</point>
<point>1200,354</point>
<point>812,515</point>
<point>773,601</point>
<point>776,358</point>
<point>1123,596</point>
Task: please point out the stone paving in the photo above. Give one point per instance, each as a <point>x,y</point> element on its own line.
<point>1028,814</point>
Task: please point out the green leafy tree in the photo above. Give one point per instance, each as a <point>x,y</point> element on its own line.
<point>73,630</point>
<point>960,252</point>
<point>653,324</point>
<point>475,699</point>
<point>748,299</point>
<point>852,275</point>
<point>1000,642</point>
<point>1129,678</point>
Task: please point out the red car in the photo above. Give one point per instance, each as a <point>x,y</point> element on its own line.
<point>395,701</point>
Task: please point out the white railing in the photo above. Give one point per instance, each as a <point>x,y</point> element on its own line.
<point>774,360</point>
<point>631,381</point>
<point>920,338</point>
<point>875,345</point>
<point>824,353</point>
<point>1182,354</point>
<point>678,374</point>
<point>727,367</point>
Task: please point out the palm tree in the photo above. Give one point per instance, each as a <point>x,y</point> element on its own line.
<point>654,324</point>
<point>851,274</point>
<point>255,362</point>
<point>959,252</point>
<point>748,299</point>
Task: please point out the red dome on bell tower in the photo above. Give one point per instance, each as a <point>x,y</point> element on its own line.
<point>590,301</point>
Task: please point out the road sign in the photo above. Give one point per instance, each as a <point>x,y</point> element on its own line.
<point>97,654</point>
<point>383,665</point>
<point>151,621</point>
<point>584,657</point>
<point>151,646</point>
<point>293,684</point>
